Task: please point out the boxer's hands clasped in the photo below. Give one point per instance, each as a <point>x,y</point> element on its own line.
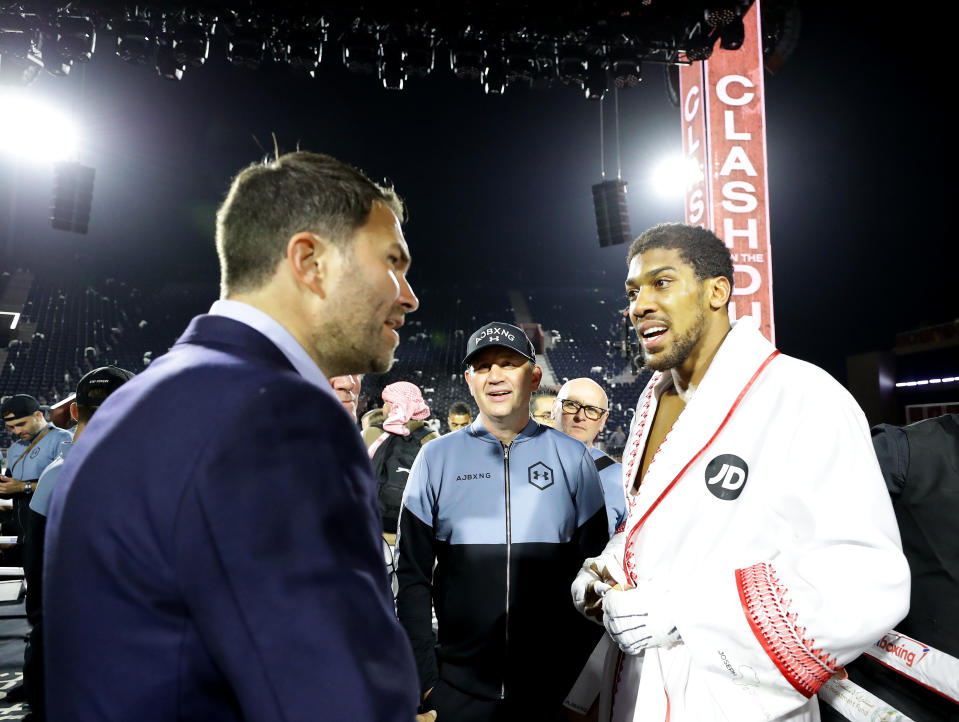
<point>588,588</point>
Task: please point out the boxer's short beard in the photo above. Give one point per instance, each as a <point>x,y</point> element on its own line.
<point>680,348</point>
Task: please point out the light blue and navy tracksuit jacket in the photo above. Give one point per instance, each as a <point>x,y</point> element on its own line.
<point>493,536</point>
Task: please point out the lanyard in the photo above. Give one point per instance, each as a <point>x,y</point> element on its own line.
<point>32,444</point>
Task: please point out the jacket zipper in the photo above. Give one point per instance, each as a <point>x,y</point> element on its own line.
<point>508,542</point>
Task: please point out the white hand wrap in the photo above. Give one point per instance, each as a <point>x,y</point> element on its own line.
<point>581,583</point>
<point>635,621</point>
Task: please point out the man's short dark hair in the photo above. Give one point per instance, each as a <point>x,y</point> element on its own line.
<point>268,203</point>
<point>458,408</point>
<point>700,248</point>
<point>543,393</point>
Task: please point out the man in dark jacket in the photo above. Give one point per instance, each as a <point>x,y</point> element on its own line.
<point>495,522</point>
<point>213,547</point>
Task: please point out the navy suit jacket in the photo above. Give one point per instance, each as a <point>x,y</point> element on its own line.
<point>213,551</point>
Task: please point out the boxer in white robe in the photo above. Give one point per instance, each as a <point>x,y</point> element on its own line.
<point>760,550</point>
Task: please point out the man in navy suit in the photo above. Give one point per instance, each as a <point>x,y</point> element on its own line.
<point>213,548</point>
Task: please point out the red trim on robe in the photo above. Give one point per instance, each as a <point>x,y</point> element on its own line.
<point>764,601</point>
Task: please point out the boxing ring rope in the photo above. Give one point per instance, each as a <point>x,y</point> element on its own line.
<point>927,666</point>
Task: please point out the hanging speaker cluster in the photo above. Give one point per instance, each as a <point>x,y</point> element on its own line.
<point>612,217</point>
<point>72,197</point>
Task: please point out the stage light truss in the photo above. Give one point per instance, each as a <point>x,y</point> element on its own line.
<point>534,44</point>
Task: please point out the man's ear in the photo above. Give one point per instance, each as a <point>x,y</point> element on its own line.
<point>719,291</point>
<point>74,412</point>
<point>537,376</point>
<point>309,258</point>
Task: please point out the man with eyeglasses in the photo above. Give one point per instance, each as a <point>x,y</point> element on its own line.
<point>493,519</point>
<point>581,410</point>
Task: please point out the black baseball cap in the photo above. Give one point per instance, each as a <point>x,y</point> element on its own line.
<point>500,334</point>
<point>16,407</point>
<point>96,385</point>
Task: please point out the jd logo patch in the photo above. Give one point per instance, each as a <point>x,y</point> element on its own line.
<point>726,476</point>
<point>540,475</point>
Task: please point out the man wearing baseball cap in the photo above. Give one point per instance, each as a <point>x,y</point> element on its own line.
<point>92,390</point>
<point>501,509</point>
<point>37,445</point>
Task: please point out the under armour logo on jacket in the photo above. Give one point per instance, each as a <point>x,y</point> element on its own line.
<point>726,476</point>
<point>540,475</point>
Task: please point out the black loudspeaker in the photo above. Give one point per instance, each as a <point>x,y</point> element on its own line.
<point>72,197</point>
<point>612,218</point>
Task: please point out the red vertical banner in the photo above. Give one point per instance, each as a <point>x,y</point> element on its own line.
<point>699,209</point>
<point>736,178</point>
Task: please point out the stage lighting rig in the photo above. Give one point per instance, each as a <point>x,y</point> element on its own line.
<point>491,41</point>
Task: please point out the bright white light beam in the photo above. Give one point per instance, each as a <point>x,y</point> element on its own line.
<point>34,130</point>
<point>672,175</point>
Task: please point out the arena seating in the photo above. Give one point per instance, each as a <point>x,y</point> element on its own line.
<point>80,325</point>
<point>586,330</point>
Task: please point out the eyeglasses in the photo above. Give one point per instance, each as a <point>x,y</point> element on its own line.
<point>593,413</point>
<point>543,416</point>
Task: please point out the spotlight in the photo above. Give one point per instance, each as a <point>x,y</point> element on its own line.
<point>18,72</point>
<point>699,47</point>
<point>18,34</point>
<point>304,48</point>
<point>627,71</point>
<point>33,130</point>
<point>191,42</point>
<point>419,56</point>
<point>467,59</point>
<point>361,51</point>
<point>167,66</point>
<point>246,47</point>
<point>494,75</point>
<point>391,70</point>
<point>571,65</point>
<point>520,62</point>
<point>720,17</point>
<point>135,41</point>
<point>546,72</point>
<point>733,35</point>
<point>597,82</point>
<point>76,37</point>
<point>51,55</point>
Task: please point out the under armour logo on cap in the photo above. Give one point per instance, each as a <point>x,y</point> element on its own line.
<point>500,334</point>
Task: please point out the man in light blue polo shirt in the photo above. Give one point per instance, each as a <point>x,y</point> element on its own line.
<point>38,444</point>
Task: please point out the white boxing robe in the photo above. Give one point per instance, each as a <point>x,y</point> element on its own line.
<point>764,528</point>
